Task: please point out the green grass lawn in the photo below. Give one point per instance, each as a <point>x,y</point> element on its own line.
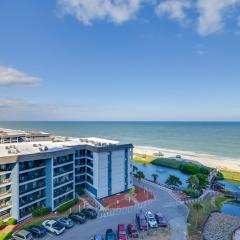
<point>143,158</point>
<point>232,176</point>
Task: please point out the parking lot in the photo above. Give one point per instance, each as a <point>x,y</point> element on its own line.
<point>174,212</point>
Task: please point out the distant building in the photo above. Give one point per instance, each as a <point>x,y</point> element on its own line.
<point>38,172</point>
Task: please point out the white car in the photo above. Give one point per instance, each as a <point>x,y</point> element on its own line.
<point>151,220</point>
<point>53,227</point>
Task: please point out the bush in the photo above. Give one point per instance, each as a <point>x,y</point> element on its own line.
<point>220,176</point>
<point>191,168</point>
<point>193,193</point>
<point>2,223</point>
<point>41,212</point>
<point>11,221</point>
<point>166,162</point>
<point>66,205</point>
<point>80,191</point>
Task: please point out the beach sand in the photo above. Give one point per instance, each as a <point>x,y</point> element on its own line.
<point>220,163</point>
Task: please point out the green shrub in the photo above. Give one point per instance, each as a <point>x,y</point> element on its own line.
<point>66,205</point>
<point>11,221</point>
<point>80,191</point>
<point>40,212</point>
<point>220,176</point>
<point>192,192</point>
<point>191,168</point>
<point>2,223</point>
<point>166,162</point>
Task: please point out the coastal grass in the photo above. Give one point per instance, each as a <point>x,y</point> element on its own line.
<point>230,175</point>
<point>197,218</point>
<point>143,158</point>
<point>220,201</point>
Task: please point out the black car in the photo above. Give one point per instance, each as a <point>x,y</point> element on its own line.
<point>78,217</point>
<point>89,213</point>
<point>110,235</point>
<point>38,231</point>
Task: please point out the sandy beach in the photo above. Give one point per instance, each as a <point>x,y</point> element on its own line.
<point>205,159</point>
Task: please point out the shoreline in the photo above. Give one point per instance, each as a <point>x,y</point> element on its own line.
<point>221,163</point>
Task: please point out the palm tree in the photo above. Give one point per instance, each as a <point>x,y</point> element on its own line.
<point>155,176</point>
<point>139,175</point>
<point>197,206</point>
<point>173,181</point>
<point>193,182</point>
<point>135,168</point>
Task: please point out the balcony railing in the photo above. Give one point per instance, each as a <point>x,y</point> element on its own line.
<point>5,216</point>
<point>5,193</point>
<point>5,204</point>
<point>5,181</point>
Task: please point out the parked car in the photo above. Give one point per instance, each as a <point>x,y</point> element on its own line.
<point>142,222</point>
<point>66,222</point>
<point>161,220</point>
<point>78,217</point>
<point>97,237</point>
<point>89,213</point>
<point>132,231</point>
<point>22,235</point>
<point>151,220</point>
<point>110,235</point>
<point>38,231</point>
<point>53,227</point>
<point>122,232</point>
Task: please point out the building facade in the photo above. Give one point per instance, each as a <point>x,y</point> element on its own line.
<point>47,173</point>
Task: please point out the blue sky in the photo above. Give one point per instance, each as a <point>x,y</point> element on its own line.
<point>120,60</point>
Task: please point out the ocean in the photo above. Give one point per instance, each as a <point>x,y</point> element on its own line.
<point>215,138</point>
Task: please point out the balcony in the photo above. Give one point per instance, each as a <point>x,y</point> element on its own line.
<point>63,170</point>
<point>25,177</point>
<point>5,193</point>
<point>5,216</point>
<point>5,204</point>
<point>6,181</point>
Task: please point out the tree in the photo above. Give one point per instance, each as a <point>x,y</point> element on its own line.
<point>193,182</point>
<point>132,190</point>
<point>139,175</point>
<point>135,168</point>
<point>155,177</point>
<point>203,180</point>
<point>197,206</point>
<point>173,181</point>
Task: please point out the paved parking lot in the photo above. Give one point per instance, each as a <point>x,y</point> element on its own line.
<point>175,212</point>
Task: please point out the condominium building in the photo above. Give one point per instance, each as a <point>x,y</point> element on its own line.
<point>38,172</point>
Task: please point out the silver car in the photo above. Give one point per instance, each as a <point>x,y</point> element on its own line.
<point>66,222</point>
<point>22,235</point>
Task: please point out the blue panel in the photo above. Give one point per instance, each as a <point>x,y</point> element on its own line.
<point>109,173</point>
<point>126,169</point>
<point>91,189</point>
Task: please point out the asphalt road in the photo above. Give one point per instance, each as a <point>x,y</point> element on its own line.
<point>174,211</point>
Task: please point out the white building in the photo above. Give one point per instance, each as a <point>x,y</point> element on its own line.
<point>38,172</point>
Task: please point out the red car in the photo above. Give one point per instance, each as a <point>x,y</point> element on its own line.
<point>122,232</point>
<point>132,231</point>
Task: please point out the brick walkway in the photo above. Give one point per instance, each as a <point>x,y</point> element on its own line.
<point>123,200</point>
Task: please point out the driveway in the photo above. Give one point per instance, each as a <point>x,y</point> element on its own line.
<point>164,202</point>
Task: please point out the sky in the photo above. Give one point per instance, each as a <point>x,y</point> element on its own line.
<point>120,60</point>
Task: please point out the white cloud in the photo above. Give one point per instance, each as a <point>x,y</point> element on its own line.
<point>117,11</point>
<point>175,9</point>
<point>12,76</point>
<point>212,14</point>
